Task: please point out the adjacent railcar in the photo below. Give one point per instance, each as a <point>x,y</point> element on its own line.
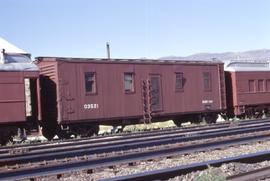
<point>79,94</point>
<point>18,91</point>
<point>248,88</point>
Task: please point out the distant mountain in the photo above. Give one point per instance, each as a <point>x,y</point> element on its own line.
<point>263,54</point>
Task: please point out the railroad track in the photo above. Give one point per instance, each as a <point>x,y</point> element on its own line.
<point>137,135</point>
<point>167,173</point>
<point>123,144</point>
<point>74,142</point>
<point>91,161</point>
<point>256,174</point>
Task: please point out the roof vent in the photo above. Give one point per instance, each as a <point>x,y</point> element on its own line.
<point>2,56</point>
<point>108,51</point>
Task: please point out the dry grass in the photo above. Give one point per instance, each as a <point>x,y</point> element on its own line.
<point>139,127</point>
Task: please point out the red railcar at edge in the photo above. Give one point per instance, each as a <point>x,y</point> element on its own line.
<point>18,94</point>
<point>248,88</point>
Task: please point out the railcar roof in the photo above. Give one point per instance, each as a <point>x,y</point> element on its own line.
<point>125,61</point>
<point>248,65</point>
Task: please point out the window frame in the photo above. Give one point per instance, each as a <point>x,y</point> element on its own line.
<point>251,85</point>
<point>260,83</point>
<point>209,78</point>
<point>132,91</point>
<point>94,88</point>
<point>267,85</point>
<point>181,88</point>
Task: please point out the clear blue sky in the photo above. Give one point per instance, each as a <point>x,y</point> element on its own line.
<point>135,28</point>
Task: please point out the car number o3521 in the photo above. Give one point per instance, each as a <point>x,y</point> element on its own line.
<point>90,106</point>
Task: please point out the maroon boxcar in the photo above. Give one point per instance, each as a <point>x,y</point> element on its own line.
<point>18,91</point>
<point>79,93</point>
<point>248,87</point>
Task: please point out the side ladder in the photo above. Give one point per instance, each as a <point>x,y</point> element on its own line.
<point>146,100</point>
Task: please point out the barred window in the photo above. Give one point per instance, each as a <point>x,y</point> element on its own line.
<point>207,81</point>
<point>179,83</point>
<point>90,82</point>
<point>129,82</point>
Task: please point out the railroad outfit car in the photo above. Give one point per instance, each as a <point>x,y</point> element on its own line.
<point>79,94</point>
<point>18,77</point>
<point>248,88</point>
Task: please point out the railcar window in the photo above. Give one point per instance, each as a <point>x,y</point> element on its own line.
<point>129,82</point>
<point>90,82</point>
<point>179,83</point>
<point>207,81</point>
<point>268,85</point>
<point>251,85</point>
<point>260,86</point>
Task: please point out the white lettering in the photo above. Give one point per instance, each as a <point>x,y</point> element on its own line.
<point>90,106</point>
<point>207,101</point>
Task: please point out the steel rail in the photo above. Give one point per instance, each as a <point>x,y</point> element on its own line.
<point>251,175</point>
<point>26,173</point>
<point>167,173</point>
<point>113,147</point>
